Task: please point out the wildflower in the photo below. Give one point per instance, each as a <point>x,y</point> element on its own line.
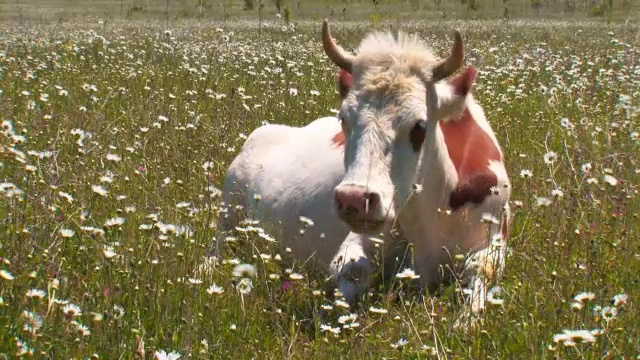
<point>113,157</point>
<point>610,180</point>
<point>570,337</point>
<point>620,299</point>
<point>307,221</point>
<point>67,233</point>
<point>565,123</point>
<point>108,178</point>
<point>108,251</point>
<point>345,319</point>
<point>32,322</point>
<point>342,303</point>
<point>417,188</point>
<point>429,349</point>
<point>215,289</point>
<point>94,231</point>
<point>488,218</point>
<point>550,157</point>
<point>242,270</point>
<point>525,173</point>
<point>293,92</point>
<point>98,189</point>
<point>194,281</point>
<point>97,317</point>
<point>161,354</point>
<point>66,196</point>
<point>244,286</point>
<point>557,193</point>
<point>208,165</point>
<point>401,342</point>
<point>586,167</point>
<point>114,222</point>
<point>6,275</point>
<point>326,307</point>
<point>491,296</point>
<point>60,301</point>
<point>233,261</point>
<point>23,348</point>
<point>296,276</point>
<point>71,310</point>
<point>609,313</point>
<point>182,204</point>
<point>118,311</point>
<point>378,310</point>
<point>407,274</point>
<point>542,201</point>
<point>584,296</point>
<point>265,257</point>
<point>36,293</point>
<point>335,331</point>
<point>576,305</point>
<point>82,329</point>
<point>54,283</point>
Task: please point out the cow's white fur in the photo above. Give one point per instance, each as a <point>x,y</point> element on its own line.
<point>278,181</point>
<point>294,171</point>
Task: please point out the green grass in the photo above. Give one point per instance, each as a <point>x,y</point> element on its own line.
<point>168,104</point>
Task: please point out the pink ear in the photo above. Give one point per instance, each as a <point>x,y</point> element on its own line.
<point>463,82</point>
<point>345,81</point>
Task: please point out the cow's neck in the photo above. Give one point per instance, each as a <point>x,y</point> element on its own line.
<point>437,177</point>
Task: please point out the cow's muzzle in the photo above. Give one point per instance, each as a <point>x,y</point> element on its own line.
<point>359,208</point>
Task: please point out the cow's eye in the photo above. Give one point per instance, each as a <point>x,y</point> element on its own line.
<point>343,123</point>
<point>417,134</point>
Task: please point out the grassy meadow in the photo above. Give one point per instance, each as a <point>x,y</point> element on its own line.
<point>114,143</point>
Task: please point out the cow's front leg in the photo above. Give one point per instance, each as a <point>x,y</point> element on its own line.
<point>352,266</point>
<point>481,268</point>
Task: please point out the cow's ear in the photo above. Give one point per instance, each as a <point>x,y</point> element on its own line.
<point>463,82</point>
<point>345,82</point>
<point>452,94</point>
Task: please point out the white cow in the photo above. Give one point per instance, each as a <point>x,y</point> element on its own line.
<point>409,152</point>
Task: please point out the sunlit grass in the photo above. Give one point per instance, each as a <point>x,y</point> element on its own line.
<point>115,142</point>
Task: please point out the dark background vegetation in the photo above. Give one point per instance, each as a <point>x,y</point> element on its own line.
<point>61,10</point>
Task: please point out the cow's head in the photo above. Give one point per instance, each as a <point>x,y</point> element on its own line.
<point>390,109</point>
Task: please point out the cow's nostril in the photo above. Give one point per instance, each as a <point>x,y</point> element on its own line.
<point>338,201</point>
<point>372,200</point>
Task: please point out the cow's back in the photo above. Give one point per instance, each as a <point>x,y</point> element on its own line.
<point>283,173</point>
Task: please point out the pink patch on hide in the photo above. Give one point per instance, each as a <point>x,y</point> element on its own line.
<point>470,149</point>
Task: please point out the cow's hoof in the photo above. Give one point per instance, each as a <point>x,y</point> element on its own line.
<point>349,291</point>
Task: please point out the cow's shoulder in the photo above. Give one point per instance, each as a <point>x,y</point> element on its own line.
<point>472,149</point>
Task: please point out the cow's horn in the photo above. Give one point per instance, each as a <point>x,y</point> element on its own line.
<point>340,57</point>
<point>448,66</point>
